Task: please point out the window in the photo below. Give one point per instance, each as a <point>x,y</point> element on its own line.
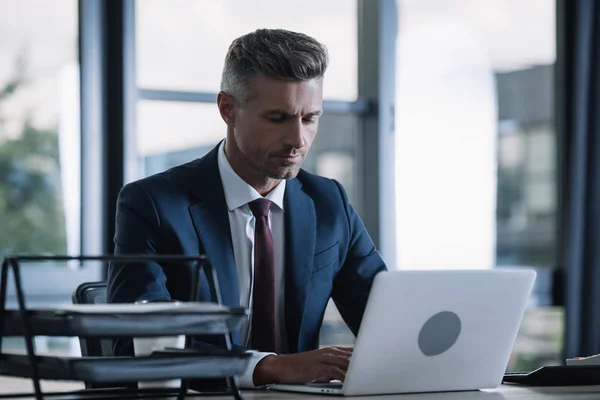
<point>39,149</point>
<point>197,127</point>
<point>39,127</point>
<point>181,44</point>
<point>476,157</point>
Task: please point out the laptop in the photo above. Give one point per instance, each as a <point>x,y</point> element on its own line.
<point>434,331</point>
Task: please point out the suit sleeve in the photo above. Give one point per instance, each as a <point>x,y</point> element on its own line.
<point>352,284</point>
<point>137,232</point>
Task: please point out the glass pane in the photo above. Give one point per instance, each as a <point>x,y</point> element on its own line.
<point>181,44</point>
<point>173,133</point>
<point>539,340</point>
<point>541,149</point>
<point>39,127</point>
<point>334,153</point>
<point>39,151</point>
<point>474,127</point>
<point>476,157</point>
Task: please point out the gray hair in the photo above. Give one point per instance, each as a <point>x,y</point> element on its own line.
<point>276,53</point>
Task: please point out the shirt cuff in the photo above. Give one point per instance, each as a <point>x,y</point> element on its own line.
<point>246,379</point>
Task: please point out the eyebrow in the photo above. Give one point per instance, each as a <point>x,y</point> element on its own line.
<point>287,114</point>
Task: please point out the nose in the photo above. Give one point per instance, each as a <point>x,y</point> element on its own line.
<point>295,135</point>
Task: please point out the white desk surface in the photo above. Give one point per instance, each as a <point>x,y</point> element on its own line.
<point>504,392</point>
<point>508,392</point>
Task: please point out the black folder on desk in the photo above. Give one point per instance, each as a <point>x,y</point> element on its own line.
<point>562,375</point>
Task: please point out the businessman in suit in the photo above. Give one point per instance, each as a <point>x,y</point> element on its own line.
<point>283,241</point>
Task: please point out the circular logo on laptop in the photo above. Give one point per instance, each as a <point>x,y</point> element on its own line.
<point>439,333</point>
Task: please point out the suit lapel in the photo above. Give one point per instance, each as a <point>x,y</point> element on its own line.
<point>211,222</point>
<point>300,232</point>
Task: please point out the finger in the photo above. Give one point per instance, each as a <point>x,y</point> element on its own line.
<point>350,349</point>
<point>338,351</point>
<point>336,373</point>
<point>347,350</point>
<point>328,374</point>
<point>337,360</point>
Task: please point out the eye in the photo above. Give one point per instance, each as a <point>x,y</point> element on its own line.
<point>276,118</point>
<point>310,120</point>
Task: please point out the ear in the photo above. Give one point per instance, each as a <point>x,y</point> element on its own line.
<point>226,104</point>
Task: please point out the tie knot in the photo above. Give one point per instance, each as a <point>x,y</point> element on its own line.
<point>260,207</point>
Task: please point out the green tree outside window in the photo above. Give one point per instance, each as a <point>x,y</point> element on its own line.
<point>32,217</point>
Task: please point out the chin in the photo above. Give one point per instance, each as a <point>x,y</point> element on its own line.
<point>283,173</point>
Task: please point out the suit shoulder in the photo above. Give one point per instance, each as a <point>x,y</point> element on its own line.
<point>316,181</point>
<point>168,182</point>
<point>319,186</point>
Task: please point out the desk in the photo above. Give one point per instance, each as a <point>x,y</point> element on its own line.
<point>508,392</point>
<point>503,393</point>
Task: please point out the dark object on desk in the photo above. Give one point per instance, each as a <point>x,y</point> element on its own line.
<point>572,375</point>
<point>93,324</point>
<point>189,366</point>
<point>160,365</point>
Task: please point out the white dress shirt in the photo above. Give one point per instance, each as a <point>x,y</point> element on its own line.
<point>241,221</point>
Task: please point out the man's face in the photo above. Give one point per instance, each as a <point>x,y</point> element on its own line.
<point>275,127</point>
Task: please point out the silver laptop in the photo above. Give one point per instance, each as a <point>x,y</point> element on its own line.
<point>434,331</point>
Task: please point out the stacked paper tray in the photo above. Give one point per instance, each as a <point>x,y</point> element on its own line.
<point>118,320</point>
<point>178,364</point>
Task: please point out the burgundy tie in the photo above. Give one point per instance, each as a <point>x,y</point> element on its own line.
<point>263,301</point>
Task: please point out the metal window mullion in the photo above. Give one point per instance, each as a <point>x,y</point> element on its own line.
<point>377,31</point>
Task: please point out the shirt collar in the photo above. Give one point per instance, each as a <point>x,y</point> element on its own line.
<point>237,192</point>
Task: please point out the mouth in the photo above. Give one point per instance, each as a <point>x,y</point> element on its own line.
<point>288,159</point>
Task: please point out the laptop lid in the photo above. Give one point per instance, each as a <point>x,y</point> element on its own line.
<point>427,331</point>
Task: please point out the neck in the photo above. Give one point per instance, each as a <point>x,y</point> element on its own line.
<point>248,171</point>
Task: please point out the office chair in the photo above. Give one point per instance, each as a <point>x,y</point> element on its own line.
<point>93,293</point>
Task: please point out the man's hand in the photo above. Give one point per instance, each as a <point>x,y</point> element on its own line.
<point>321,365</point>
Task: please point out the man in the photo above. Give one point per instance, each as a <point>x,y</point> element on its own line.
<point>282,241</point>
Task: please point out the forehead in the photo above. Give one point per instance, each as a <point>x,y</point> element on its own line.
<point>265,92</point>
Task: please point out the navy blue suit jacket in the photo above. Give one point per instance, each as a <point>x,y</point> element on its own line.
<point>328,252</point>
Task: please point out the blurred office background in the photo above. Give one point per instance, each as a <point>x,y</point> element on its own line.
<point>447,121</point>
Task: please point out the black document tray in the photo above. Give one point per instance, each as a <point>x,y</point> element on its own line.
<point>58,322</point>
<point>158,366</point>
